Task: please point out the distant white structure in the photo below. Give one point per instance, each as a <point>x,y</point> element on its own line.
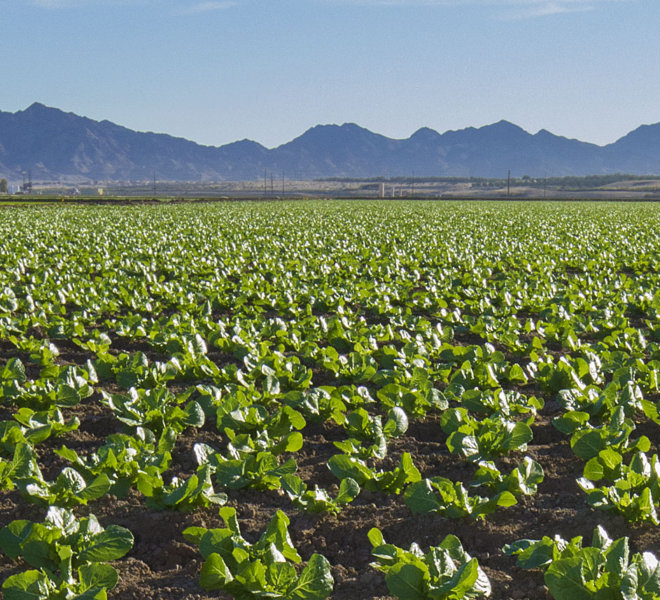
<point>13,188</point>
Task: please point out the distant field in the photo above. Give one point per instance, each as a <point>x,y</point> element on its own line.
<point>486,370</point>
<point>606,187</point>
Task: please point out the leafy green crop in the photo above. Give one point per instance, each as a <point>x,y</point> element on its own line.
<point>261,570</point>
<point>22,466</point>
<point>154,409</point>
<point>318,500</point>
<point>504,402</point>
<point>59,387</point>
<point>317,404</point>
<point>234,418</point>
<point>453,500</point>
<point>588,441</point>
<point>279,327</point>
<point>40,425</point>
<point>445,572</point>
<point>634,489</point>
<point>483,440</point>
<point>69,489</point>
<point>367,434</point>
<point>603,570</point>
<point>181,494</point>
<point>393,482</point>
<point>246,465</point>
<point>68,554</point>
<point>126,459</point>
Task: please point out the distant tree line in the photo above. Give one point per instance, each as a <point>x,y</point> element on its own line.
<point>568,182</point>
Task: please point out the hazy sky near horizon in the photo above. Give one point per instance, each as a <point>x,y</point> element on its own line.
<point>219,71</point>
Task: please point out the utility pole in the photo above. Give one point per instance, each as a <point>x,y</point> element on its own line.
<point>508,184</point>
<point>154,183</point>
<point>265,183</point>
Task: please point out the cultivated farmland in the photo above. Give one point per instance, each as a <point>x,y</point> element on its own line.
<point>369,375</point>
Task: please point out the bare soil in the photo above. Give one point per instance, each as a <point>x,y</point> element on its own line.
<point>163,565</point>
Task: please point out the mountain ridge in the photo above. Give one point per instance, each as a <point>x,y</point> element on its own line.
<point>55,145</point>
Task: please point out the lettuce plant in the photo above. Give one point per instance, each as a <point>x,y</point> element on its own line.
<point>604,570</point>
<point>70,488</point>
<point>392,482</point>
<point>367,434</point>
<point>264,569</point>
<point>154,409</point>
<point>445,572</point>
<point>318,500</point>
<point>587,441</point>
<point>125,459</point>
<point>69,556</point>
<point>632,490</point>
<point>245,465</point>
<point>181,494</point>
<point>484,440</point>
<point>23,465</point>
<point>491,489</point>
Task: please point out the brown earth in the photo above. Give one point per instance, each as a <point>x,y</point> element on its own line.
<point>163,565</point>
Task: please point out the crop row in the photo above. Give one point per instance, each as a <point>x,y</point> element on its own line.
<point>257,322</point>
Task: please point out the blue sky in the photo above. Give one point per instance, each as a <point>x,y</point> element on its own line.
<point>219,71</point>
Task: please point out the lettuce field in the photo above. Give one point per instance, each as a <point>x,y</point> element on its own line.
<point>350,400</point>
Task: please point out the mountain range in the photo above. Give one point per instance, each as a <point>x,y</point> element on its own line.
<point>53,145</point>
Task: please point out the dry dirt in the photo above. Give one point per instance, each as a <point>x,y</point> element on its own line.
<point>163,566</point>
